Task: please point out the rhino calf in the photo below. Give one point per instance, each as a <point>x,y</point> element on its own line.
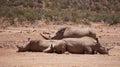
<point>37,46</point>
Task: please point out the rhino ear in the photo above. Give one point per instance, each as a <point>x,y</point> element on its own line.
<point>28,39</point>
<point>47,38</point>
<point>97,40</point>
<point>17,46</point>
<point>51,46</point>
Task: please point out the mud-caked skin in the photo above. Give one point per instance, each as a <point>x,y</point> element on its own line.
<point>37,46</point>
<point>84,45</point>
<point>70,32</point>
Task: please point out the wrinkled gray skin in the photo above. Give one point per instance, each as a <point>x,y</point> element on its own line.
<point>84,45</point>
<point>37,46</point>
<point>69,32</point>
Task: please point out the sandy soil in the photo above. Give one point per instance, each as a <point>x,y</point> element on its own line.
<point>10,37</point>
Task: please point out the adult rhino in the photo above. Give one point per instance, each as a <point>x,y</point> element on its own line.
<point>70,32</point>
<point>84,45</point>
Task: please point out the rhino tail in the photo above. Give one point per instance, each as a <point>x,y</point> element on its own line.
<point>97,40</point>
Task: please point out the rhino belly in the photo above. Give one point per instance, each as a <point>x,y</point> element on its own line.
<point>75,49</point>
<point>37,48</point>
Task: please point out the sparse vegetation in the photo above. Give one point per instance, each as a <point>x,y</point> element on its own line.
<point>77,11</point>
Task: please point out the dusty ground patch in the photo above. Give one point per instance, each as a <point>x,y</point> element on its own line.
<point>9,38</point>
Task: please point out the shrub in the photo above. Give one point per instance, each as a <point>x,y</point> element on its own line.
<point>78,11</point>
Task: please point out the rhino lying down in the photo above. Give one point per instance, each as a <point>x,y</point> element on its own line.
<point>70,32</point>
<point>37,46</point>
<point>84,45</point>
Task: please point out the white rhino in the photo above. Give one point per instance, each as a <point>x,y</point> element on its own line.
<point>70,32</point>
<point>84,45</point>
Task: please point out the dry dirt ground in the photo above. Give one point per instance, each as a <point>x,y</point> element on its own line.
<point>11,36</point>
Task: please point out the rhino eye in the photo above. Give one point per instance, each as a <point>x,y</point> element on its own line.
<point>21,47</point>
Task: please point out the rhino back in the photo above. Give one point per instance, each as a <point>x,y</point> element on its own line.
<point>84,41</point>
<point>39,45</point>
<point>78,33</point>
<point>77,45</point>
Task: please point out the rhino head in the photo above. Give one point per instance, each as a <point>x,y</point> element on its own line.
<point>104,50</point>
<point>23,48</point>
<point>20,48</point>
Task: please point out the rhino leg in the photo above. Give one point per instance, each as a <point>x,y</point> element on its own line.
<point>94,52</point>
<point>88,50</point>
<point>60,50</point>
<point>49,49</point>
<point>60,47</point>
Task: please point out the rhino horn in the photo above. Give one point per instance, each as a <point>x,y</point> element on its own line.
<point>110,48</point>
<point>44,36</point>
